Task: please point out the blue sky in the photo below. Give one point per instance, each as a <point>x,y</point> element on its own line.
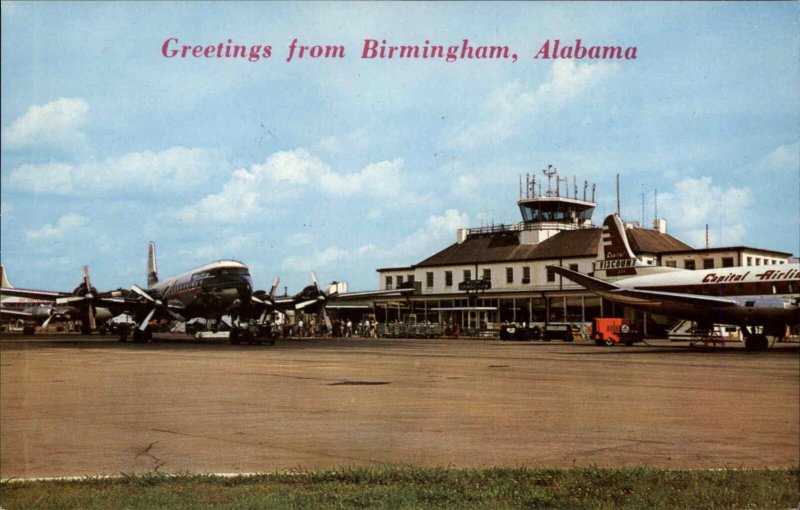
<point>346,165</point>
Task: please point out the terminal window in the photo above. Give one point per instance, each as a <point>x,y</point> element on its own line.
<point>399,280</point>
<point>749,261</point>
<point>688,264</point>
<point>487,274</point>
<point>429,279</point>
<point>526,275</point>
<point>573,267</point>
<point>448,278</point>
<point>551,276</point>
<point>509,275</point>
<point>708,263</point>
<point>727,261</point>
<point>388,283</point>
<point>411,278</point>
<point>467,275</point>
<point>670,263</point>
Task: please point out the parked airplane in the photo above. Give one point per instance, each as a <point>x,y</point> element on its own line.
<point>761,300</point>
<point>212,290</point>
<point>41,306</point>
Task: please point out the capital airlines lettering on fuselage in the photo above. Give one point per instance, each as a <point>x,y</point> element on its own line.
<point>750,297</point>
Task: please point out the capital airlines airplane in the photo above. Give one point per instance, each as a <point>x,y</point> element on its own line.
<point>755,298</point>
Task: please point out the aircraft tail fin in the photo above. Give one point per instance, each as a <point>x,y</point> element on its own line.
<point>4,279</point>
<point>615,258</point>
<point>152,270</point>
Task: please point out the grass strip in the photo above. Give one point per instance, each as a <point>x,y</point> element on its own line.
<point>398,487</point>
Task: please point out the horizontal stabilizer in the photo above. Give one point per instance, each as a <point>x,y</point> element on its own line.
<point>583,280</point>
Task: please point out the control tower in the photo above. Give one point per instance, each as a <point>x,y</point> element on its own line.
<point>544,214</point>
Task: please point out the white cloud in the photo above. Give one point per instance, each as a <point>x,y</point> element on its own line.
<point>330,144</point>
<point>55,123</point>
<point>299,239</point>
<point>783,158</point>
<point>176,167</point>
<point>284,175</point>
<point>696,203</point>
<point>439,231</point>
<point>465,186</point>
<point>507,107</point>
<point>66,224</point>
<point>225,248</point>
<point>315,261</point>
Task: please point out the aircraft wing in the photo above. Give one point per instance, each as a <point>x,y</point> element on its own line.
<point>370,294</point>
<point>22,314</point>
<point>634,296</point>
<point>44,295</point>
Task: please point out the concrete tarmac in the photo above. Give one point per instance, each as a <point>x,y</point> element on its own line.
<point>74,406</point>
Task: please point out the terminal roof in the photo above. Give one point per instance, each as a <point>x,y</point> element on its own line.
<point>506,247</point>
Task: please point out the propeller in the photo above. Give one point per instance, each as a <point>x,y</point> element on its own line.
<point>52,314</point>
<point>322,298</point>
<point>157,305</point>
<point>266,300</point>
<point>86,296</point>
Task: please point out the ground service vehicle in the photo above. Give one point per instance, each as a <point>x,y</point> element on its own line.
<point>611,330</point>
<point>559,331</point>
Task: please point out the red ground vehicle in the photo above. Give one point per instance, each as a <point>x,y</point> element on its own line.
<point>611,330</point>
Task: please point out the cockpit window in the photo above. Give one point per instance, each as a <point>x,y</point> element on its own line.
<point>235,271</point>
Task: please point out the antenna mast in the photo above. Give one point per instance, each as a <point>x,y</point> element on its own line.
<point>550,171</point>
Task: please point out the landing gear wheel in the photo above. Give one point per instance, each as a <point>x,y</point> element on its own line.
<point>609,342</point>
<point>756,343</point>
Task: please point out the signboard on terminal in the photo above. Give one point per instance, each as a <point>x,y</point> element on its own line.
<point>473,285</point>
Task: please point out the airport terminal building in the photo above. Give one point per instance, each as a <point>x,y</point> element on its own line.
<point>497,274</point>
